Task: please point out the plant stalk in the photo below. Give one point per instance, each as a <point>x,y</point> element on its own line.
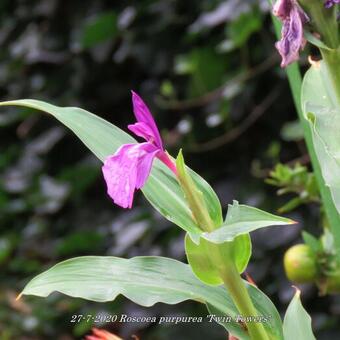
<point>239,293</point>
<point>225,264</point>
<point>295,82</point>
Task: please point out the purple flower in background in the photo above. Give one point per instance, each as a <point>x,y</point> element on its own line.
<point>129,168</point>
<point>330,3</point>
<point>292,39</point>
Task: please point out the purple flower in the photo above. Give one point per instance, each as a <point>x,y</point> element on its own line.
<point>129,168</point>
<point>330,3</point>
<point>292,39</point>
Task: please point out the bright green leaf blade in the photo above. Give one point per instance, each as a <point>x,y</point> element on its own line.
<point>100,136</point>
<point>199,257</point>
<point>145,281</point>
<point>241,251</point>
<point>312,242</point>
<point>315,41</point>
<point>297,322</point>
<point>321,109</point>
<point>201,262</point>
<point>103,139</point>
<point>242,219</point>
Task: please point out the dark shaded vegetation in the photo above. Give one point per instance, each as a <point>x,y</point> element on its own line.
<point>209,71</point>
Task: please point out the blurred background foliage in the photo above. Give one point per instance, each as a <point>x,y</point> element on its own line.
<point>209,71</point>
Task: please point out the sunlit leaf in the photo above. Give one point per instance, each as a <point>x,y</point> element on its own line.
<point>161,189</point>
<point>297,322</point>
<point>315,41</point>
<point>234,232</point>
<point>323,112</point>
<point>242,219</point>
<point>146,281</point>
<point>199,257</point>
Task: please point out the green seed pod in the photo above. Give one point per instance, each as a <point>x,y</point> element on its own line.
<point>300,264</point>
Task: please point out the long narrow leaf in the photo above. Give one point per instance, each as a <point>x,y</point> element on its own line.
<point>146,281</point>
<point>242,219</point>
<point>103,139</point>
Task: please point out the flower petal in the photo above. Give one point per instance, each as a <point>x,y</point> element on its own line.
<point>331,3</point>
<point>292,40</point>
<point>148,153</point>
<point>282,9</point>
<point>127,170</point>
<point>142,130</point>
<point>143,115</point>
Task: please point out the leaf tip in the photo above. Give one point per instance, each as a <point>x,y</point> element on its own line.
<point>297,291</point>
<point>314,63</point>
<point>18,297</point>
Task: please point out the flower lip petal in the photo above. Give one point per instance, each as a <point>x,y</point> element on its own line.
<point>127,170</point>
<point>143,115</point>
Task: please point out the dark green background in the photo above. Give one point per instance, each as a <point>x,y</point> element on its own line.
<point>210,73</point>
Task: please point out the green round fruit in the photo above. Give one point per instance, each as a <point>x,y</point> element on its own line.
<point>300,264</point>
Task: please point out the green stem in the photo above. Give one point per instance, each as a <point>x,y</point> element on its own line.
<point>295,82</point>
<point>223,262</point>
<point>240,295</point>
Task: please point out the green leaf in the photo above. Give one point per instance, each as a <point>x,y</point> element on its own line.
<point>242,219</point>
<point>312,242</point>
<point>297,322</point>
<point>146,281</point>
<point>234,232</point>
<point>100,29</point>
<point>321,109</point>
<point>103,139</point>
<point>291,205</point>
<point>315,41</point>
<point>204,268</point>
<point>201,262</point>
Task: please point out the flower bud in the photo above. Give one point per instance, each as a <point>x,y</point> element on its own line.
<point>300,264</point>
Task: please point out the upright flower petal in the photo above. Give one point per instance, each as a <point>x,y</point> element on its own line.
<point>142,130</point>
<point>331,3</point>
<point>292,39</point>
<point>282,9</point>
<point>143,115</point>
<point>127,170</point>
